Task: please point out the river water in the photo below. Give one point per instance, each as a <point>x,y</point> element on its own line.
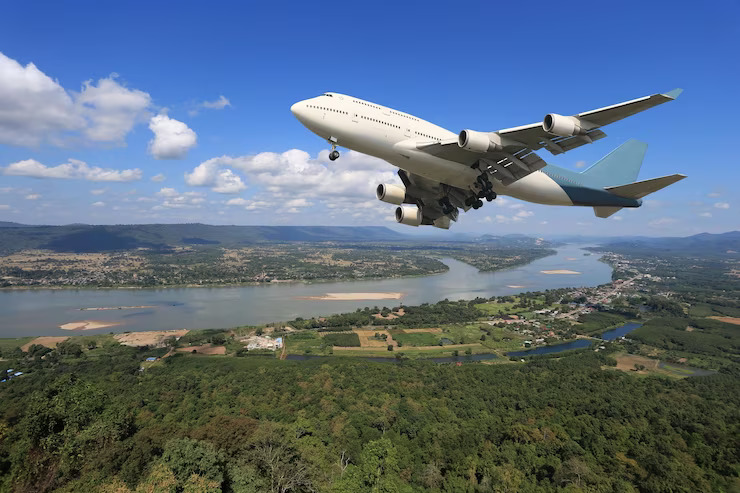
<point>41,312</point>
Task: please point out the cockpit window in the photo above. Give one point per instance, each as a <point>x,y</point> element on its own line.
<point>328,94</point>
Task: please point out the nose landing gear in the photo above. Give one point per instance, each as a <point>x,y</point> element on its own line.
<point>334,154</point>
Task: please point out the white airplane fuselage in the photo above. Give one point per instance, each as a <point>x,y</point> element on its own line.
<point>393,135</point>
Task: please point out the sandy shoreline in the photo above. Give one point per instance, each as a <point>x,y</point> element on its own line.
<point>87,325</point>
<point>559,271</point>
<point>354,297</point>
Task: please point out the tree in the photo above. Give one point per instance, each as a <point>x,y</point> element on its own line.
<point>186,457</point>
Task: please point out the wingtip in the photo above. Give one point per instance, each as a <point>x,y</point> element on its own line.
<point>674,93</point>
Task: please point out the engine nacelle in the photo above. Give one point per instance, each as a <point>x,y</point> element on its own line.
<point>392,194</point>
<point>409,215</point>
<point>564,126</point>
<point>479,142</point>
<point>442,222</point>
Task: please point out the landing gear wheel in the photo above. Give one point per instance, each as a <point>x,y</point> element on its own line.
<point>491,196</point>
<point>469,201</point>
<point>447,207</point>
<point>334,155</point>
<point>478,203</point>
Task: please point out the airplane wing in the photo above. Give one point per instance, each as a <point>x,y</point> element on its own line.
<point>535,136</point>
<point>512,163</point>
<point>508,154</point>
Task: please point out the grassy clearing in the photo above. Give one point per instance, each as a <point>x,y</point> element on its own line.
<point>414,339</point>
<point>497,308</point>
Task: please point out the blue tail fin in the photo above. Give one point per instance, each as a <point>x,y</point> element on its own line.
<point>619,167</point>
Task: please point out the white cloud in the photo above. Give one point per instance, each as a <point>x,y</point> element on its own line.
<point>167,192</point>
<point>72,169</point>
<point>722,205</point>
<point>98,191</point>
<point>524,214</point>
<point>617,218</point>
<point>35,109</point>
<point>662,222</point>
<point>33,196</point>
<point>714,194</point>
<point>580,164</point>
<point>219,104</point>
<point>98,204</point>
<point>176,200</point>
<point>4,207</point>
<point>158,178</point>
<point>172,138</point>
<point>237,201</point>
<point>111,110</point>
<point>294,174</point>
<point>706,214</point>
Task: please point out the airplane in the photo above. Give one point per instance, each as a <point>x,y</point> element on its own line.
<point>443,172</point>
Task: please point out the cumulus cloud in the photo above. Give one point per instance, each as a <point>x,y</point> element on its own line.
<point>158,178</point>
<point>4,207</point>
<point>295,174</point>
<point>35,108</point>
<point>98,191</point>
<point>98,204</point>
<point>722,205</point>
<point>714,194</point>
<point>580,164</point>
<point>213,174</point>
<point>172,138</point>
<point>176,200</point>
<point>33,196</point>
<point>706,214</point>
<point>72,169</point>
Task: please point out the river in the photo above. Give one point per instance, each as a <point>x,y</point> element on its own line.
<point>41,312</point>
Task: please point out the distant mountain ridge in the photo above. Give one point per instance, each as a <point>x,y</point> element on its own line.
<point>87,238</point>
<point>703,244</point>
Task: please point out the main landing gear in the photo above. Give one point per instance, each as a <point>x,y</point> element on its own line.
<point>334,154</point>
<point>447,207</point>
<point>485,192</point>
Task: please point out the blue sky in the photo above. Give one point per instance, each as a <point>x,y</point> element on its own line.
<point>161,112</point>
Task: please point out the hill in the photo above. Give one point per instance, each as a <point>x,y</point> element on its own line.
<point>86,238</point>
<point>705,244</point>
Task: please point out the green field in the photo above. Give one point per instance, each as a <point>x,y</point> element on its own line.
<point>414,338</point>
<point>497,308</point>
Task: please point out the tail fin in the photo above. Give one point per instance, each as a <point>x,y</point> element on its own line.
<point>639,189</point>
<point>620,166</point>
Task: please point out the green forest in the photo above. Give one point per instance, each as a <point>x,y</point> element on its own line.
<point>255,424</point>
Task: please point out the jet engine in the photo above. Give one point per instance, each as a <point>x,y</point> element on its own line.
<point>479,142</point>
<point>564,126</point>
<point>392,194</point>
<point>409,215</point>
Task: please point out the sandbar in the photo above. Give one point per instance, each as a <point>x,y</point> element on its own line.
<point>559,271</point>
<point>354,296</point>
<point>102,308</point>
<point>87,325</point>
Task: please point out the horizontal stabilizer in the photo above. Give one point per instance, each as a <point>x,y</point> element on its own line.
<point>639,189</point>
<point>604,211</point>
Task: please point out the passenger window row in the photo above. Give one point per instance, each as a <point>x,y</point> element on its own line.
<point>328,109</point>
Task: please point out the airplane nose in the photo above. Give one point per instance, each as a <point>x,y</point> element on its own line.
<point>297,109</point>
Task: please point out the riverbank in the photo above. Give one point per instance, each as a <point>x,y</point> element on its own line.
<point>41,312</point>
